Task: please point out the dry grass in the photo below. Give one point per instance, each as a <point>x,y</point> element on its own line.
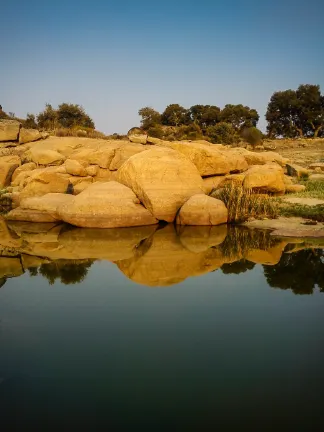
<point>77,132</point>
<point>243,204</point>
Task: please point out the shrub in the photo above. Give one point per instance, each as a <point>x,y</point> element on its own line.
<point>243,203</point>
<point>190,132</point>
<point>155,131</point>
<point>253,136</point>
<point>221,133</point>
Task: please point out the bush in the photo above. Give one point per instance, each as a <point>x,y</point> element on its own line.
<point>155,131</point>
<point>243,204</point>
<point>253,136</point>
<point>221,133</point>
<point>190,132</point>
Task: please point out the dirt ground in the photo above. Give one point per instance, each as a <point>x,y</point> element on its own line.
<point>301,152</point>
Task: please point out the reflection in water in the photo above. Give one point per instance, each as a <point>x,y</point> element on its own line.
<point>300,271</point>
<point>68,272</point>
<point>159,255</point>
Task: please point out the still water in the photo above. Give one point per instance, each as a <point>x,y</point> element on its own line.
<point>195,329</point>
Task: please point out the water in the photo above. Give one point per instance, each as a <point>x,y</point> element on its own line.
<point>195,330</point>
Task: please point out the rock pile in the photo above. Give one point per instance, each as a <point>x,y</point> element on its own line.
<point>139,181</point>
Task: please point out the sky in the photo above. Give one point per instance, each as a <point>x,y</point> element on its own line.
<point>115,57</point>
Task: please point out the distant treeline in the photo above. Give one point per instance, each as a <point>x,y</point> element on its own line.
<point>290,114</point>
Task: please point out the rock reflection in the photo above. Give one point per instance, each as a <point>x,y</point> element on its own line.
<point>159,256</point>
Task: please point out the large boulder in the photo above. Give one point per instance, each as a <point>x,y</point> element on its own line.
<point>43,183</point>
<point>29,135</point>
<point>44,156</point>
<point>137,135</point>
<point>163,179</point>
<point>9,130</point>
<point>8,164</point>
<point>265,178</point>
<point>213,182</point>
<point>106,205</point>
<point>47,203</point>
<point>209,159</point>
<point>202,210</point>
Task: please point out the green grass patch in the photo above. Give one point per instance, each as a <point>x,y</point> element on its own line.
<point>314,189</point>
<point>315,213</point>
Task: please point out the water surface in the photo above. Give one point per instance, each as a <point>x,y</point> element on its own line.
<point>191,329</point>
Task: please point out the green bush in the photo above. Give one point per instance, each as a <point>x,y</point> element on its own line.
<point>155,131</point>
<point>222,133</point>
<point>253,136</point>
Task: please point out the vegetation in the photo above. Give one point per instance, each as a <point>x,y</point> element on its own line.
<point>243,204</point>
<point>293,113</point>
<point>199,122</point>
<point>315,213</point>
<point>66,271</point>
<point>65,116</point>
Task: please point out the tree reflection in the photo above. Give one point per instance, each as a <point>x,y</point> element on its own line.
<point>300,271</point>
<point>66,271</point>
<point>237,267</point>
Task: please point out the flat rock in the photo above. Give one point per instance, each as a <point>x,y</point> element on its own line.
<point>106,205</point>
<point>9,130</point>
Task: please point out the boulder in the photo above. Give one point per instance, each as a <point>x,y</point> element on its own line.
<point>296,171</point>
<point>8,165</point>
<point>137,135</point>
<point>123,153</point>
<point>317,166</point>
<point>44,156</point>
<point>213,182</point>
<point>29,135</point>
<point>19,214</point>
<point>260,158</point>
<point>47,203</point>
<point>104,175</point>
<point>92,170</point>
<point>202,210</point>
<point>101,157</point>
<point>75,168</point>
<point>210,160</point>
<point>295,188</point>
<point>80,183</point>
<point>106,205</point>
<point>234,179</point>
<point>44,183</point>
<point>265,178</point>
<point>319,177</point>
<point>27,167</point>
<point>163,179</point>
<point>9,130</point>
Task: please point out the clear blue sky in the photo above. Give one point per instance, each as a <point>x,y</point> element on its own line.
<point>114,57</point>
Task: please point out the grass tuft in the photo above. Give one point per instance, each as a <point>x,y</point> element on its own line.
<point>243,204</point>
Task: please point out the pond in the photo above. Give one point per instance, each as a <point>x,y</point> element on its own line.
<point>160,329</point>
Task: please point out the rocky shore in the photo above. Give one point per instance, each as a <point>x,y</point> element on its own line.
<point>98,183</point>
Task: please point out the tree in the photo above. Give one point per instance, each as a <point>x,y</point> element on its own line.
<point>150,117</point>
<point>204,115</point>
<point>47,119</point>
<point>175,115</point>
<point>239,116</point>
<point>73,115</point>
<point>222,133</point>
<point>30,122</point>
<point>190,132</point>
<point>298,112</point>
<point>311,105</point>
